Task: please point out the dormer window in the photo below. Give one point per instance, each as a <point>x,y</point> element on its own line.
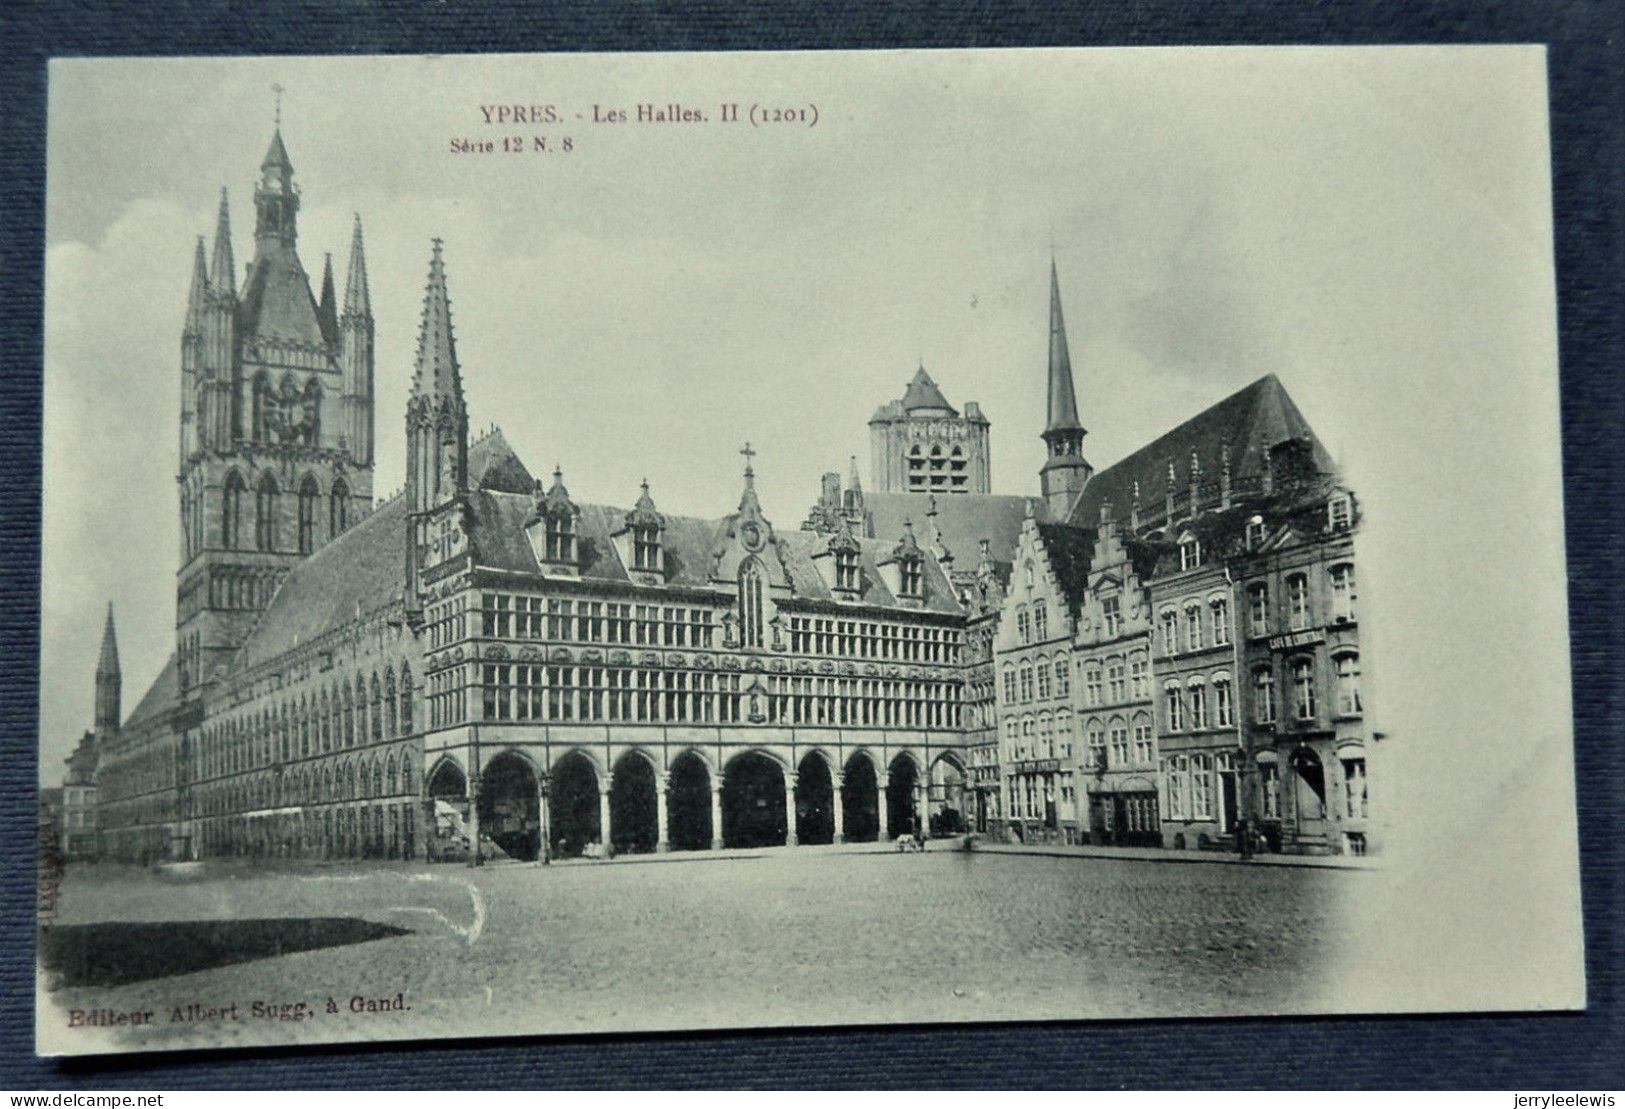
<point>1255,533</point>
<point>646,547</point>
<point>1190,553</point>
<point>1340,512</point>
<point>846,571</point>
<point>561,538</point>
<point>911,574</point>
<point>646,525</point>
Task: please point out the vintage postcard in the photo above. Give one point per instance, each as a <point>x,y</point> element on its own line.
<point>557,544</point>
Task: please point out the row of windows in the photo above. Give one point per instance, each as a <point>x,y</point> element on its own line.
<point>505,616</point>
<point>1346,671</point>
<point>1299,603</point>
<point>1202,626</point>
<point>1118,682</point>
<point>347,781</point>
<point>1190,780</point>
<point>267,514</point>
<point>553,693</point>
<point>335,718</point>
<point>1309,795</point>
<point>366,831</point>
<point>1198,705</point>
<point>1031,796</point>
<point>872,639</point>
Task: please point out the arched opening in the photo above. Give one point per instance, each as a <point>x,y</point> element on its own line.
<point>946,800</point>
<point>1309,790</point>
<point>901,816</point>
<point>634,821</point>
<point>574,805</point>
<point>860,801</point>
<point>510,811</point>
<point>688,804</point>
<point>815,802</point>
<point>753,802</point>
<point>447,789</point>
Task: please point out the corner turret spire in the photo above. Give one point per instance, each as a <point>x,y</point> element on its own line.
<point>357,301</point>
<point>223,270</point>
<point>437,374</point>
<point>198,294</point>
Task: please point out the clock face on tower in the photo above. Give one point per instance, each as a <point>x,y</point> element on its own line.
<point>751,536</point>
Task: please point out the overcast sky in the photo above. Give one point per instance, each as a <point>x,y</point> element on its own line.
<point>1372,225</point>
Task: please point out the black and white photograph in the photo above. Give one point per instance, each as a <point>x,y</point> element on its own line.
<point>605,543</point>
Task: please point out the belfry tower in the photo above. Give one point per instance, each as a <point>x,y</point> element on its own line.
<point>1065,472</point>
<point>276,439</point>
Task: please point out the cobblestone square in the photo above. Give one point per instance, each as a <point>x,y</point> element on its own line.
<point>762,938</point>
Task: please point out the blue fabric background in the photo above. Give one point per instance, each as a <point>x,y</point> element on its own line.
<point>1564,1051</point>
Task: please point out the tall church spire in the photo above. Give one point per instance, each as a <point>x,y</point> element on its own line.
<point>1063,404</point>
<point>108,678</point>
<point>223,271</point>
<point>1065,472</point>
<point>355,352</point>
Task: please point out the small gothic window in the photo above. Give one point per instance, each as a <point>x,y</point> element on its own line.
<point>338,508</point>
<point>265,510</point>
<point>1190,554</point>
<point>308,495</point>
<point>750,603</point>
<point>231,518</point>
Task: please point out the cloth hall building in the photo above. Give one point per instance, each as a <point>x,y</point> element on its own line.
<point>485,666</point>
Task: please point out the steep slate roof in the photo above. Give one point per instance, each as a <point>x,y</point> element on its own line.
<point>360,571</point>
<point>1256,417</point>
<point>159,698</point>
<point>922,392</point>
<point>277,301</point>
<point>964,519</point>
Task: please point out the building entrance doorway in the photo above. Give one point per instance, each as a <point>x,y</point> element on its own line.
<point>753,813</point>
<point>510,809</point>
<point>574,805</point>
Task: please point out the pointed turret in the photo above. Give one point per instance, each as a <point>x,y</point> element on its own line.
<point>197,296</point>
<point>356,353</point>
<point>327,306</point>
<point>436,419</point>
<point>276,157</point>
<point>1065,473</point>
<point>357,302</point>
<point>108,679</point>
<point>276,202</point>
<point>223,270</point>
<point>437,373</point>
